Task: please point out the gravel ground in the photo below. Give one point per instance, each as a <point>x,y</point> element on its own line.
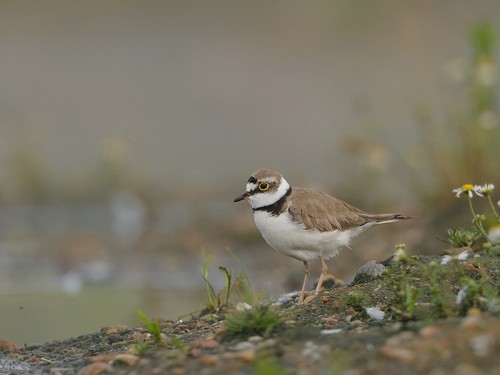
<point>416,315</point>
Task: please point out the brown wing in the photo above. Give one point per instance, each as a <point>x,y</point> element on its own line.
<point>326,213</point>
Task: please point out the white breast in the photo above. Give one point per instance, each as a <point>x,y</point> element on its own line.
<point>292,239</point>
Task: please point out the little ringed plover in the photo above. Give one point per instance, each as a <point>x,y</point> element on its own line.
<point>303,223</point>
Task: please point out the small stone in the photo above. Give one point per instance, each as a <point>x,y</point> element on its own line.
<point>129,359</point>
<point>206,344</point>
<point>195,352</point>
<point>219,331</point>
<point>309,299</point>
<point>313,351</point>
<point>177,371</point>
<point>255,339</point>
<point>241,346</point>
<point>482,345</point>
<point>375,313</point>
<point>108,357</point>
<point>330,331</point>
<point>368,272</point>
<point>137,336</point>
<point>430,331</point>
<point>397,339</point>
<point>290,322</point>
<point>243,306</point>
<point>471,322</point>
<point>247,356</point>
<point>401,354</point>
<point>6,345</point>
<point>114,329</point>
<point>466,369</point>
<point>61,370</point>
<point>330,282</point>
<point>95,368</point>
<point>114,338</point>
<point>269,343</point>
<point>474,312</point>
<point>209,360</point>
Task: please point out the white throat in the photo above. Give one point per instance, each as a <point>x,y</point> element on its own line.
<point>267,198</point>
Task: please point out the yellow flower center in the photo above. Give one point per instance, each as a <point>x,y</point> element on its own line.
<point>468,187</point>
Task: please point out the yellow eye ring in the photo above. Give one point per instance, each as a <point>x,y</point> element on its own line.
<point>263,186</point>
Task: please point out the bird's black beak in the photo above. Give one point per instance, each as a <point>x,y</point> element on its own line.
<point>243,196</point>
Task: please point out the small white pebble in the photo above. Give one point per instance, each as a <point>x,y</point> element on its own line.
<point>243,345</point>
<point>330,331</point>
<point>445,260</point>
<point>375,313</point>
<point>313,351</point>
<point>481,345</point>
<point>243,306</point>
<point>286,297</point>
<point>255,339</point>
<point>463,255</point>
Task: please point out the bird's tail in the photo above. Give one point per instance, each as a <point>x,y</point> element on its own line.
<point>385,218</point>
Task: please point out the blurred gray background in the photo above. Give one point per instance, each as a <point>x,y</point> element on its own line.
<point>127,128</point>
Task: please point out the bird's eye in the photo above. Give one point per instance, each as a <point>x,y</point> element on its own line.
<point>263,186</point>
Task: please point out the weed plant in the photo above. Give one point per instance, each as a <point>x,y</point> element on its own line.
<point>262,320</point>
<point>469,237</point>
<point>239,284</point>
<point>152,326</point>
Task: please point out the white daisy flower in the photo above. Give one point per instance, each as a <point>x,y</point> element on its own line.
<point>485,189</point>
<point>468,189</point>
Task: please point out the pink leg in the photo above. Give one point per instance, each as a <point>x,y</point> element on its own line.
<point>324,269</point>
<point>307,272</point>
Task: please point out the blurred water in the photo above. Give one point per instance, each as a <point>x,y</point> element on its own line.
<point>64,270</point>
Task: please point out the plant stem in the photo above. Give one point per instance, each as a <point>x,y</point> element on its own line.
<point>493,208</point>
<point>476,220</point>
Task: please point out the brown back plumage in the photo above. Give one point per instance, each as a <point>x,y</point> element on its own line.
<point>325,213</point>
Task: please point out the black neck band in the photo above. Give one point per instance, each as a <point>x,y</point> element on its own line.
<point>276,208</point>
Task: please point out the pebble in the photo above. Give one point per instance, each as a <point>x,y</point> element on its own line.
<point>129,359</point>
<point>401,354</point>
<point>206,344</point>
<point>269,343</point>
<point>397,339</point>
<point>6,345</point>
<point>371,269</point>
<point>466,369</point>
<point>241,346</point>
<point>330,331</point>
<point>243,306</point>
<point>114,329</point>
<point>481,345</point>
<point>313,351</point>
<point>177,371</point>
<point>430,331</point>
<point>137,336</point>
<point>209,360</point>
<point>471,322</point>
<point>309,299</point>
<point>255,339</point>
<point>95,368</point>
<point>247,356</point>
